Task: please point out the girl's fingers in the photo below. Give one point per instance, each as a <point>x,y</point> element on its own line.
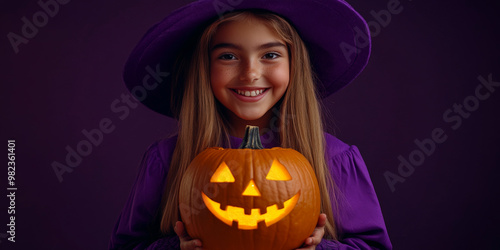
<point>181,232</point>
<point>193,244</point>
<point>317,235</point>
<point>321,220</point>
<point>315,239</point>
<point>185,240</point>
<point>318,232</point>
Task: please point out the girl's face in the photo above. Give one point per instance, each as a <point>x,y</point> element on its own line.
<point>249,68</point>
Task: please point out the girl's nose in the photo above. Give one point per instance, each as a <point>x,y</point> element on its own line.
<point>250,72</point>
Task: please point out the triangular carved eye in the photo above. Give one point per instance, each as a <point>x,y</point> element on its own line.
<point>222,174</point>
<point>278,172</point>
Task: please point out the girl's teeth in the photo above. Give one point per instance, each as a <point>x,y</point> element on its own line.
<point>250,93</point>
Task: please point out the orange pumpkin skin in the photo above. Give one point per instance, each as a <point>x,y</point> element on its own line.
<point>294,221</point>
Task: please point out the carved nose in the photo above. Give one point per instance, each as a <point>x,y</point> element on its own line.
<point>251,189</point>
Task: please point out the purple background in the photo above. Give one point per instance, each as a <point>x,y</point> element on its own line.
<point>424,61</point>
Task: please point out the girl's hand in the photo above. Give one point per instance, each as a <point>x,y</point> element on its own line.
<point>185,239</point>
<point>317,234</point>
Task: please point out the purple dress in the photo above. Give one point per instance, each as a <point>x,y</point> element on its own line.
<point>359,217</point>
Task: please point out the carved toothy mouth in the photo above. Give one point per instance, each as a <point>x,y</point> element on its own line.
<point>249,221</point>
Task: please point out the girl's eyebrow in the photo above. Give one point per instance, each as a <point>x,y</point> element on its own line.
<point>234,46</point>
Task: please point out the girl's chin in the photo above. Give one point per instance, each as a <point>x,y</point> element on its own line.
<point>250,116</point>
<point>257,116</point>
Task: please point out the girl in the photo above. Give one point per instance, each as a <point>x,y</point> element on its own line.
<point>262,63</point>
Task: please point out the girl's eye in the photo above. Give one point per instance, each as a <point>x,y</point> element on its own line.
<point>227,57</point>
<point>271,55</point>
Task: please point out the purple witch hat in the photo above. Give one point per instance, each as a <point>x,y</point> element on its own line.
<point>336,36</point>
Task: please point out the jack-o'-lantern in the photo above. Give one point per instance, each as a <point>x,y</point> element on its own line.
<point>250,198</point>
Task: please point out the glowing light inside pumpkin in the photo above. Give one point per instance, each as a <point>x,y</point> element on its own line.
<point>278,172</point>
<point>251,189</point>
<point>222,174</point>
<point>249,221</point>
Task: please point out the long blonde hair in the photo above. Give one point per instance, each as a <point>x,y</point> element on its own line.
<point>202,123</point>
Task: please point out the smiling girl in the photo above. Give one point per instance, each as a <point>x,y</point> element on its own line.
<point>253,66</point>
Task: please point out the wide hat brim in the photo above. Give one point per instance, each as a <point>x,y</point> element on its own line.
<point>336,36</point>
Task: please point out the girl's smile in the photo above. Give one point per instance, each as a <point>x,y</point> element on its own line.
<point>249,68</point>
<point>250,94</point>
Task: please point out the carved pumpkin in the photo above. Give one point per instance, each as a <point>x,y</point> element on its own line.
<point>250,198</point>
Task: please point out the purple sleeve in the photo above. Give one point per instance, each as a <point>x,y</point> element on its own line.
<point>359,219</point>
<point>165,243</point>
<point>138,224</point>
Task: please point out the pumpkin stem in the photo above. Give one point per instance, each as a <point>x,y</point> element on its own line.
<point>252,138</point>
